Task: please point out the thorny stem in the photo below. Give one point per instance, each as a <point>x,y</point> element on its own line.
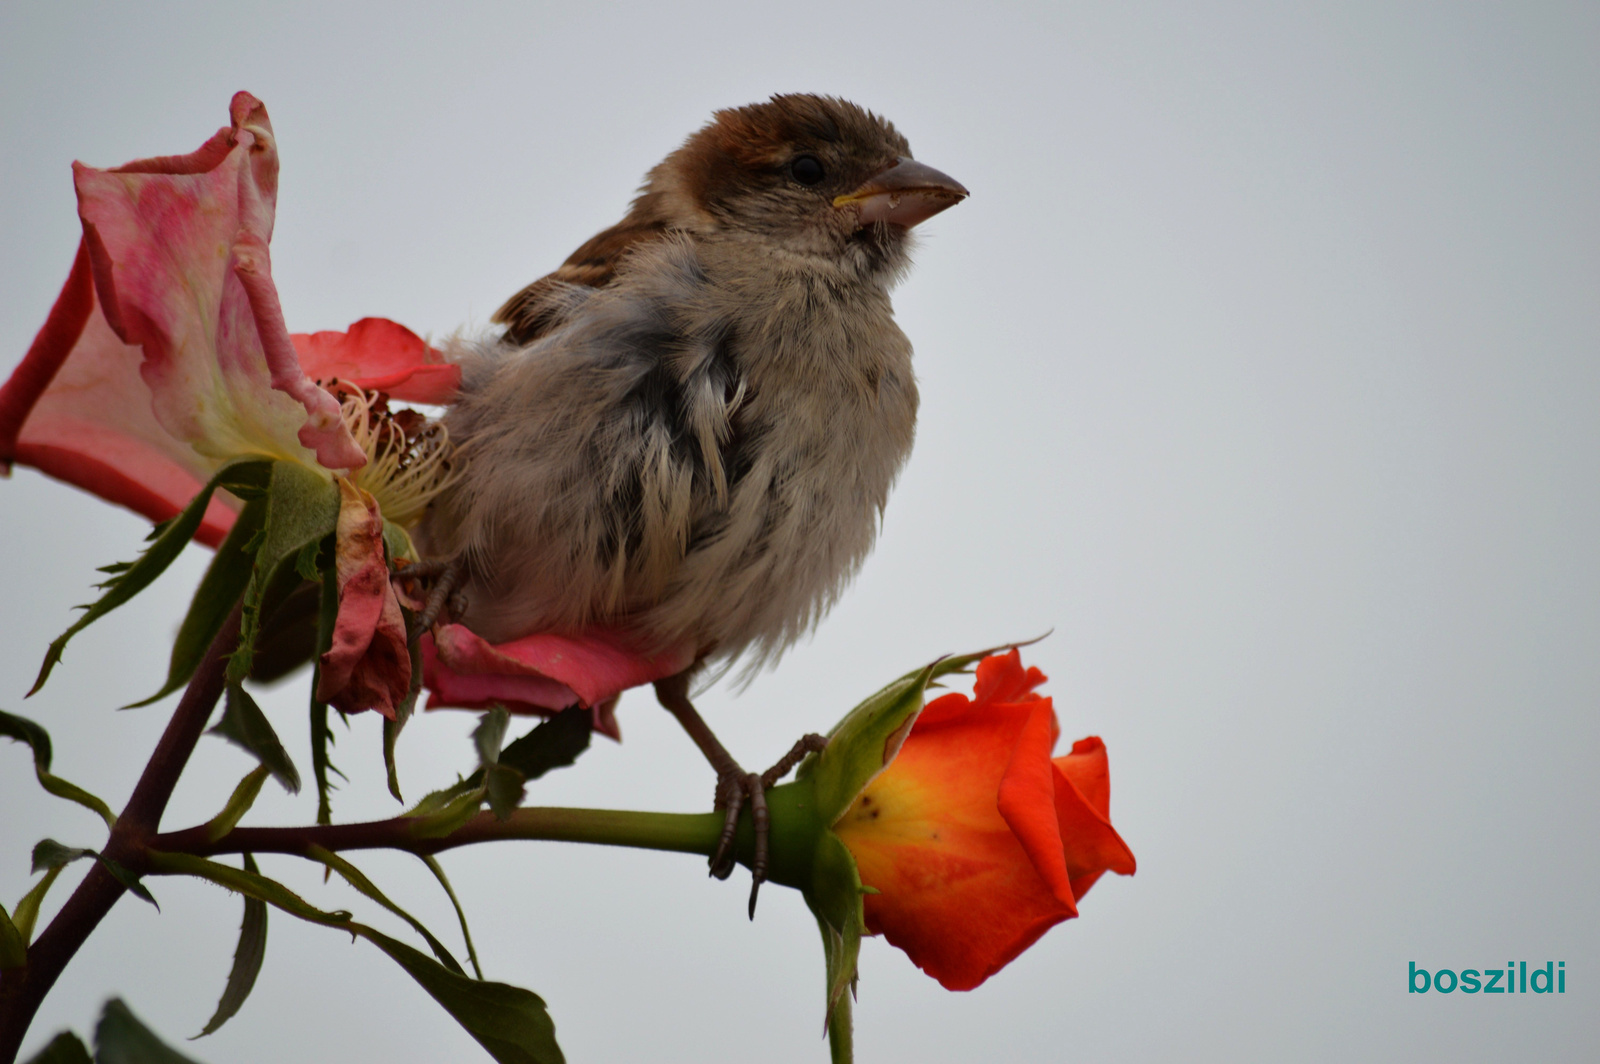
<point>23,989</point>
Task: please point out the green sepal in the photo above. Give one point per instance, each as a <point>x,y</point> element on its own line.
<point>239,803</point>
<point>246,726</point>
<point>225,580</point>
<point>397,542</point>
<point>835,900</point>
<point>122,1039</point>
<point>461,915</point>
<point>26,731</point>
<point>168,541</point>
<point>13,947</point>
<point>509,1022</point>
<point>302,507</point>
<point>862,744</point>
<point>247,955</point>
<point>64,1048</point>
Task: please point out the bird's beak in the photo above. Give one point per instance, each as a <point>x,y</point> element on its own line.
<point>905,193</point>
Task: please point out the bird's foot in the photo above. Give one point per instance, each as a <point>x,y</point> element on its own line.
<point>735,787</point>
<point>441,577</point>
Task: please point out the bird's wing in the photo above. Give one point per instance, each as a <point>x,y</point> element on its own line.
<point>542,305</point>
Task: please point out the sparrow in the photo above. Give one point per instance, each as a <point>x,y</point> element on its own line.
<point>689,430</point>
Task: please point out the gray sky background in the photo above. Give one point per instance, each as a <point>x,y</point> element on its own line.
<point>1261,366</point>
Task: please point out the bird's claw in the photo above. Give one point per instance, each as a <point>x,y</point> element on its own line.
<point>445,598</point>
<point>735,787</point>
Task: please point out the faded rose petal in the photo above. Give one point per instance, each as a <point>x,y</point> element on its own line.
<point>541,673</point>
<point>380,355</point>
<point>368,665</point>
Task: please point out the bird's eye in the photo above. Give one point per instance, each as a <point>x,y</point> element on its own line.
<point>806,170</point>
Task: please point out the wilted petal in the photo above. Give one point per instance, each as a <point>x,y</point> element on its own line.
<point>541,673</point>
<point>368,665</point>
<point>382,356</point>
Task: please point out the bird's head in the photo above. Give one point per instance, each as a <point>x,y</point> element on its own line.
<point>809,176</point>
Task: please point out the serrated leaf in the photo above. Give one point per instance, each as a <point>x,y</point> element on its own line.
<point>225,580</point>
<point>13,947</point>
<point>247,958</point>
<point>24,730</point>
<point>512,1024</point>
<point>461,916</point>
<point>321,736</point>
<point>64,1048</point>
<point>154,561</point>
<point>239,803</point>
<point>555,743</point>
<point>245,725</point>
<point>302,507</point>
<point>356,879</point>
<point>121,1039</point>
<point>245,881</point>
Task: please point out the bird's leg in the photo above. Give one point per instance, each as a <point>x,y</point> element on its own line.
<point>444,595</point>
<point>735,786</point>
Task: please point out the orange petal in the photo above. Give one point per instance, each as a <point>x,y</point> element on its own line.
<point>958,891</point>
<point>1091,845</point>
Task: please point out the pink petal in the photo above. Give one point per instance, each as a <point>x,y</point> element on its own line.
<point>368,665</point>
<point>380,355</point>
<point>540,673</point>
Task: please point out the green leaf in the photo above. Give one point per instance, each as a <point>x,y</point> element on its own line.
<point>355,878</point>
<point>452,814</point>
<point>321,736</point>
<point>48,853</point>
<point>246,881</point>
<point>503,787</point>
<point>13,947</point>
<point>24,730</point>
<point>302,507</point>
<point>555,743</point>
<point>490,733</point>
<point>245,725</point>
<point>509,1022</point>
<point>466,934</point>
<point>247,957</point>
<point>244,796</point>
<point>64,1048</point>
<point>402,713</point>
<point>173,536</point>
<point>225,580</point>
<point>27,912</point>
<point>122,1039</point>
<point>126,877</point>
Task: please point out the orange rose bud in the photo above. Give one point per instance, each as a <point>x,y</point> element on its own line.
<point>975,839</point>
